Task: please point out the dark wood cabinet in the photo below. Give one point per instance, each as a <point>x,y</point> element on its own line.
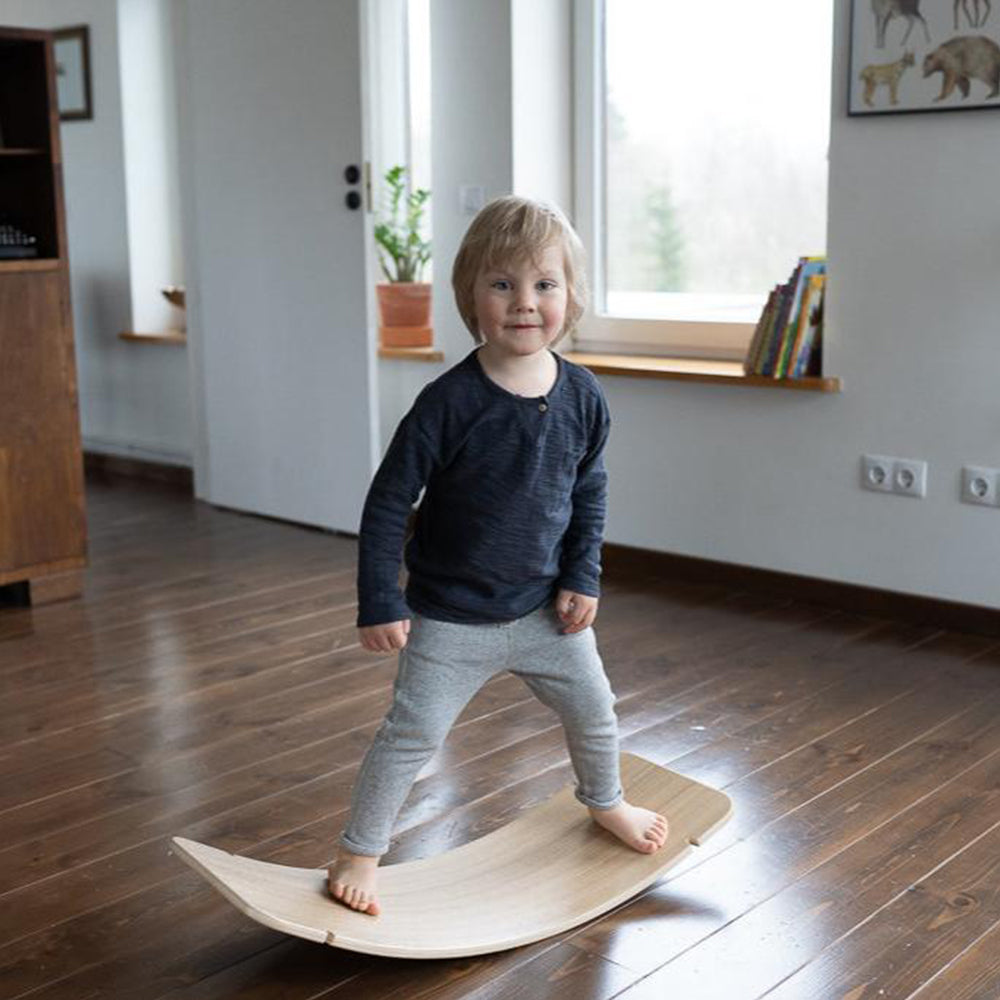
<point>42,514</point>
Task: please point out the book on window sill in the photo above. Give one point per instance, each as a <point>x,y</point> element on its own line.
<point>797,321</point>
<point>810,328</point>
<point>769,328</point>
<point>787,339</point>
<point>759,338</point>
<point>776,333</point>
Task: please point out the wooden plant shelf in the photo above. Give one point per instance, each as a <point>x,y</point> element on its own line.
<point>168,337</point>
<point>411,353</point>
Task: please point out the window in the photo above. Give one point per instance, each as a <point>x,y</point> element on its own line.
<point>419,86</point>
<point>701,165</point>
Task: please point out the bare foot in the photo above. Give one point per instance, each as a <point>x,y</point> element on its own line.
<point>353,879</point>
<point>642,829</point>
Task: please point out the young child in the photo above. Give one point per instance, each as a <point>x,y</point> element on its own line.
<point>504,560</point>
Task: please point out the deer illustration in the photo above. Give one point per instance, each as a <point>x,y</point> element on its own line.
<point>974,19</point>
<point>886,10</point>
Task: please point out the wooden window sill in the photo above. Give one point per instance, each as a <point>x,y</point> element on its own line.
<point>411,353</point>
<point>167,337</point>
<point>695,370</point>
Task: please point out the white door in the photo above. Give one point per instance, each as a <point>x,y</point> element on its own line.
<point>282,363</point>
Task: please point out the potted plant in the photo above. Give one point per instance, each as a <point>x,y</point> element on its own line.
<point>404,300</point>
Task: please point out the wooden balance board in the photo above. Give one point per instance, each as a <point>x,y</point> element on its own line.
<point>550,869</point>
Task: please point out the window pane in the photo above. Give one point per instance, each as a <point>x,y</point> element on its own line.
<point>717,121</point>
<point>419,23</point>
<point>419,89</point>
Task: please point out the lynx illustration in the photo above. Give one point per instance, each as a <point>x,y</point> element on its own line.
<point>886,75</point>
<point>969,57</point>
<point>886,10</point>
<point>973,17</point>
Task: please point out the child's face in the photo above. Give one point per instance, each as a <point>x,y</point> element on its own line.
<point>521,307</point>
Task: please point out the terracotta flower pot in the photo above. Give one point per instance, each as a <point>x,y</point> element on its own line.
<point>405,311</point>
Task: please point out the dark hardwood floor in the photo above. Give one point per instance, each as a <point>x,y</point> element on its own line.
<point>209,684</point>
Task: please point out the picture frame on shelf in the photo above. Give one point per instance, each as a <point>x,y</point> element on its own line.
<point>923,55</point>
<point>71,49</point>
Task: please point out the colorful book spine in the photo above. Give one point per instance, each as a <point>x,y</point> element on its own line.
<point>814,285</point>
<point>752,360</point>
<point>796,324</point>
<point>777,338</point>
<point>806,360</point>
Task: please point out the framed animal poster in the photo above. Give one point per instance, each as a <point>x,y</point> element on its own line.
<point>924,55</point>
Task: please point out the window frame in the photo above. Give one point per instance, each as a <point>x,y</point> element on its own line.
<point>599,332</point>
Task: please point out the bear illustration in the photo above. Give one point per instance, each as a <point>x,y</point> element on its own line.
<point>969,57</point>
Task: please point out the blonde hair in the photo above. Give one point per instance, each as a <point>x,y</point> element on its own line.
<point>513,229</point>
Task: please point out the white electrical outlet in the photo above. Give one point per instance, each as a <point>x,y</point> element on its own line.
<point>886,474</point>
<point>981,485</point>
<point>909,477</point>
<point>876,473</point>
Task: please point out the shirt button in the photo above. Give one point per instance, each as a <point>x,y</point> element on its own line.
<point>543,407</point>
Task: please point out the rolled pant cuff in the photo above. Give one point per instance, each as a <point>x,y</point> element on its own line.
<point>594,804</point>
<point>368,852</point>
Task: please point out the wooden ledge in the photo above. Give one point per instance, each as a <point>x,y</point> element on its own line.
<point>12,265</point>
<point>411,353</point>
<point>167,337</point>
<point>694,370</point>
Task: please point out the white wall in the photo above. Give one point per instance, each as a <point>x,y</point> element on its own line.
<point>152,173</point>
<point>133,397</point>
<point>542,122</point>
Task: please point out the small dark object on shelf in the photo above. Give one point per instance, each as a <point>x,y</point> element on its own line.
<point>15,244</point>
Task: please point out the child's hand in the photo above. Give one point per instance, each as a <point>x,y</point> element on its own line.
<point>384,638</point>
<point>576,611</point>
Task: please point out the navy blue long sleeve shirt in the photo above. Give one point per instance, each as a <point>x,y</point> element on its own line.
<point>514,507</point>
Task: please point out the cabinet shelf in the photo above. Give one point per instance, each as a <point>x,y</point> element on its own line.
<point>27,151</point>
<point>30,264</point>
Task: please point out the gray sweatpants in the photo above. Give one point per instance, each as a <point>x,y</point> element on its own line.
<point>440,669</point>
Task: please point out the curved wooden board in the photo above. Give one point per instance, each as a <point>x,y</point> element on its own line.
<point>547,871</point>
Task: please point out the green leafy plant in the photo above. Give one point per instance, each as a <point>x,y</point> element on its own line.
<point>400,243</point>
